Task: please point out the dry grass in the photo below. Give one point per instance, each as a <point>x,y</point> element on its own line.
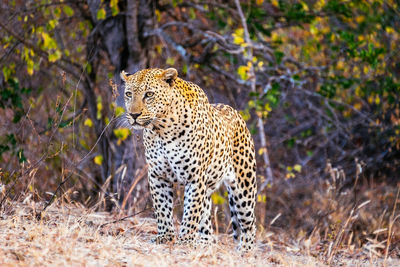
<point>71,235</point>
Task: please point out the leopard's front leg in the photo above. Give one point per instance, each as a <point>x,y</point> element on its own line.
<point>195,194</point>
<point>161,192</point>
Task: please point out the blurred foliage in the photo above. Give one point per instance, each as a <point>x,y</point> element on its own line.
<point>326,74</point>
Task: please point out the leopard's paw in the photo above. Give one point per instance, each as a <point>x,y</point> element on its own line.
<point>163,238</point>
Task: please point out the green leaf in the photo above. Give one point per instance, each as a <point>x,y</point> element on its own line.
<point>52,24</point>
<point>119,111</point>
<point>101,14</point>
<point>48,41</point>
<point>278,56</point>
<point>170,61</point>
<point>121,134</point>
<point>53,57</point>
<point>297,167</point>
<point>68,10</point>
<point>114,7</point>
<point>21,156</point>
<point>192,13</point>
<point>7,72</point>
<point>29,66</point>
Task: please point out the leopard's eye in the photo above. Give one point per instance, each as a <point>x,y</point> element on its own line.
<point>128,94</point>
<point>148,94</point>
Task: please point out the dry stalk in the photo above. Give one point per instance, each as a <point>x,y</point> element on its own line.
<point>216,220</point>
<point>140,176</point>
<point>335,245</point>
<point>39,215</point>
<point>392,220</point>
<point>339,238</point>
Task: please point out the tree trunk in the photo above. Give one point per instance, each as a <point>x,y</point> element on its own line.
<point>122,37</point>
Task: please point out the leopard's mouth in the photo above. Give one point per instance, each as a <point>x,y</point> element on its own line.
<point>142,125</point>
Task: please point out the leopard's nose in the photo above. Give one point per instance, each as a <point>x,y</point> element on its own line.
<point>135,115</point>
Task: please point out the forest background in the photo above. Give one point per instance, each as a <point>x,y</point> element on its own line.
<point>317,81</point>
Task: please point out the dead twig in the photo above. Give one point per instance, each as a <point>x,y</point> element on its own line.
<point>50,201</point>
<point>126,217</point>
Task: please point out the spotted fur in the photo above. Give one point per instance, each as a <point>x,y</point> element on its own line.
<point>195,143</point>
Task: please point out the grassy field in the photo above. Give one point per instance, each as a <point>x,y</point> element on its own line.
<point>71,235</point>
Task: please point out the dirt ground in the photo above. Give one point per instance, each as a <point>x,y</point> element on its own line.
<point>74,236</point>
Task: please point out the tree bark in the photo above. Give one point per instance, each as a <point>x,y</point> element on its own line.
<point>122,37</point>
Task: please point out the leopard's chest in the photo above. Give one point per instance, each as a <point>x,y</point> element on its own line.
<point>179,157</point>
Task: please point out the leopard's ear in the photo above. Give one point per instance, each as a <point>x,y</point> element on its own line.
<point>124,75</point>
<point>170,75</point>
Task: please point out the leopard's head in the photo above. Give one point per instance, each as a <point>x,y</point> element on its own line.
<point>148,95</point>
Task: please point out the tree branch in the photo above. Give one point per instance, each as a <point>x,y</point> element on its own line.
<point>253,80</point>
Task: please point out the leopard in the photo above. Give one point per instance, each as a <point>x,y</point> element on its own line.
<point>200,146</point>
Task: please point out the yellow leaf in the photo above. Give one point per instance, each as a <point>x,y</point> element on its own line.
<point>358,106</point>
<point>366,70</point>
<point>217,198</point>
<point>119,111</point>
<point>274,37</point>
<point>370,99</point>
<point>389,30</point>
<point>48,41</point>
<point>29,66</point>
<point>99,108</point>
<point>289,175</point>
<point>238,40</point>
<point>84,144</point>
<point>244,44</point>
<point>252,104</point>
<point>245,114</point>
<point>377,100</point>
<point>239,32</point>
<point>98,159</point>
<point>53,57</point>
<point>297,167</point>
<point>360,19</point>
<point>259,2</point>
<point>114,7</point>
<point>170,61</point>
<point>267,107</point>
<point>238,36</point>
<point>121,134</point>
<point>88,122</point>
<point>320,4</point>
<point>158,14</point>
<point>260,151</point>
<point>304,5</point>
<point>340,64</point>
<point>262,198</point>
<point>242,72</point>
<point>314,30</point>
<point>358,91</point>
<point>101,14</point>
